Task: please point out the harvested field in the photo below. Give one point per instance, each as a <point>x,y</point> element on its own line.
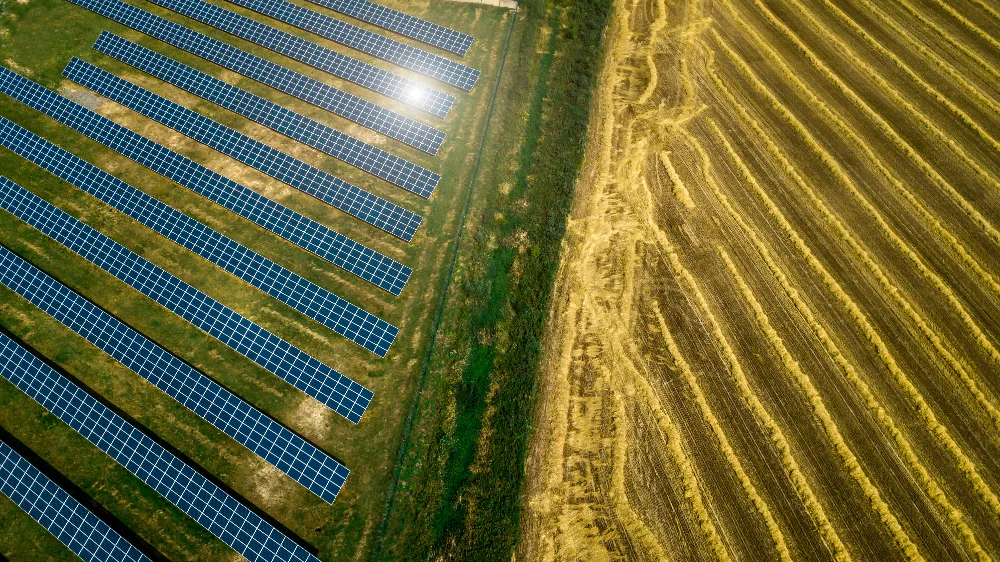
<point>775,332</point>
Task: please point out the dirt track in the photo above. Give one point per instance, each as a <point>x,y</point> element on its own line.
<point>777,320</point>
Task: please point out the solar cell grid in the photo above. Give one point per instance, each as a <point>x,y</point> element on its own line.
<point>306,373</point>
<point>225,517</point>
<point>285,450</point>
<point>339,65</point>
<point>404,24</point>
<point>362,155</point>
<point>326,187</point>
<point>269,277</point>
<point>53,508</point>
<point>339,102</point>
<point>390,50</point>
<point>284,222</point>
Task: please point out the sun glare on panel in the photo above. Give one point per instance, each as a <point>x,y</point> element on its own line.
<point>416,94</point>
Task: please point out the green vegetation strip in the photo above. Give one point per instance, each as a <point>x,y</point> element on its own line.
<point>459,480</point>
<point>452,259</point>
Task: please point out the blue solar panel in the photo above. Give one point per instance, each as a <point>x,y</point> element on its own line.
<point>288,452</point>
<point>362,112</point>
<point>371,159</point>
<point>224,516</point>
<point>284,222</point>
<point>306,373</point>
<point>269,277</point>
<point>73,524</point>
<point>417,60</point>
<point>328,188</point>
<point>404,24</point>
<point>339,65</point>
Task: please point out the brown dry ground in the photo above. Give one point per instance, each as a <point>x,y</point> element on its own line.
<point>776,323</point>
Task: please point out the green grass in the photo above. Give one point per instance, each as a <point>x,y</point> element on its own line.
<point>39,37</point>
<point>459,489</point>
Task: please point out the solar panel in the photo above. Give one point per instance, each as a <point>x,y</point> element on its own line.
<point>269,277</point>
<point>245,202</point>
<point>224,516</point>
<point>53,508</point>
<point>362,112</point>
<point>371,159</point>
<point>326,187</point>
<point>306,373</point>
<point>404,24</point>
<point>342,66</point>
<point>417,60</point>
<point>288,452</point>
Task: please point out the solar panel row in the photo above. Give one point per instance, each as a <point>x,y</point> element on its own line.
<point>339,65</point>
<point>269,277</point>
<point>250,340</point>
<point>326,187</point>
<point>288,452</point>
<point>404,24</point>
<point>53,508</point>
<point>284,222</point>
<point>417,60</point>
<point>362,112</point>
<point>360,154</point>
<point>278,282</point>
<point>225,517</point>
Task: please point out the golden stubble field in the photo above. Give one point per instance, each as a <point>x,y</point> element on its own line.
<point>776,328</point>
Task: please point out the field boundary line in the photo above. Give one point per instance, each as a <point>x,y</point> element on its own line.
<point>442,301</point>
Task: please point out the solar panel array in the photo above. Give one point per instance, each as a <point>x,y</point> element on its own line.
<point>371,159</point>
<point>339,65</point>
<point>417,60</point>
<point>53,508</point>
<point>288,452</point>
<point>245,202</point>
<point>224,516</point>
<point>404,24</point>
<point>271,278</point>
<point>306,373</point>
<point>326,187</point>
<point>339,102</point>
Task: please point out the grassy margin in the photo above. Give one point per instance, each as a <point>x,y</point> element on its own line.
<point>461,469</point>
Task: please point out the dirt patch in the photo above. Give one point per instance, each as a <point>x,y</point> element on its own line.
<point>86,98</point>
